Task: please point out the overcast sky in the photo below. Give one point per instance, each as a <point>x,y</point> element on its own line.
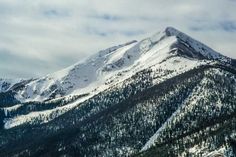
<point>38,37</point>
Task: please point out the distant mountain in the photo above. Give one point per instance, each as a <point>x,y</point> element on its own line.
<point>167,95</point>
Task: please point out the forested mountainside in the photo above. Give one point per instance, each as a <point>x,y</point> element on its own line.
<point>167,95</point>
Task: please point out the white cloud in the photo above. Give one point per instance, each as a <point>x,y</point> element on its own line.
<point>58,33</point>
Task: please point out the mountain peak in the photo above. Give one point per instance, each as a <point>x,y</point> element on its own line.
<point>186,46</point>
<point>171,31</point>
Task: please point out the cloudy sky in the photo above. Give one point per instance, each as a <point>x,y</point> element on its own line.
<point>38,37</point>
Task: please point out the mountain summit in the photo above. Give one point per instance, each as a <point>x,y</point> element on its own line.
<point>166,95</point>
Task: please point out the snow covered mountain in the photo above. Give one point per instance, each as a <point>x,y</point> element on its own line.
<point>131,99</point>
<point>163,48</point>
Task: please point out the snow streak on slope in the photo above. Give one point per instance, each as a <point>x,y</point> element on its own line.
<point>12,108</point>
<point>152,140</point>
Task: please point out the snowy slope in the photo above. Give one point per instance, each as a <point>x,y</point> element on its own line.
<point>64,82</point>
<point>39,116</point>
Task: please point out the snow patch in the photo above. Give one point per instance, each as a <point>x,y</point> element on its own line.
<point>40,117</point>
<point>10,109</point>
